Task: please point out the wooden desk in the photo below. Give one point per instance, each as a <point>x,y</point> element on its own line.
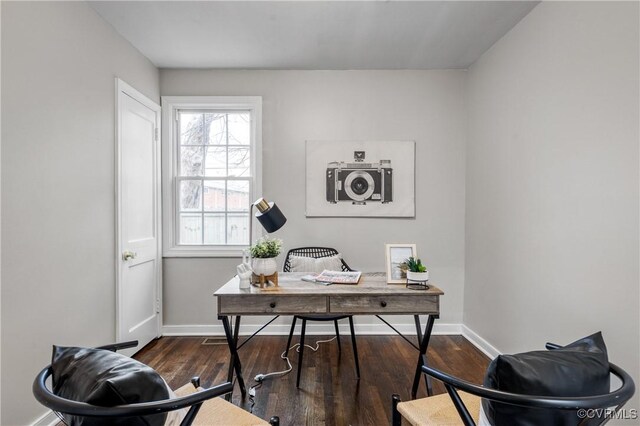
<point>371,296</point>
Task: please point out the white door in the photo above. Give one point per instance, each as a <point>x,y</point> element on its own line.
<point>138,294</point>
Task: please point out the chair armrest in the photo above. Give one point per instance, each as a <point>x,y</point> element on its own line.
<point>117,346</point>
<point>47,398</point>
<point>550,346</point>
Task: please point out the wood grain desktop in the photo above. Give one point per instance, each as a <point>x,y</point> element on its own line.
<point>372,295</point>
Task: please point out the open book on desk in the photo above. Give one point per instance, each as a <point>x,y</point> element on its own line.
<point>334,277</point>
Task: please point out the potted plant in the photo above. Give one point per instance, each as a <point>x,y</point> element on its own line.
<point>416,271</point>
<point>263,255</point>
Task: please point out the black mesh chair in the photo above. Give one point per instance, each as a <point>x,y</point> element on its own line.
<point>316,253</point>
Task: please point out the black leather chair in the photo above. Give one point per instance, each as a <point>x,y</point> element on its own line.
<point>316,253</point>
<point>204,408</point>
<point>465,406</point>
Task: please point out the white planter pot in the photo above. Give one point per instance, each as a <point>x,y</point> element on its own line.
<point>264,266</point>
<point>418,276</point>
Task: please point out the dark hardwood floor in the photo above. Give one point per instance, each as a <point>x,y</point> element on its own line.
<point>329,393</point>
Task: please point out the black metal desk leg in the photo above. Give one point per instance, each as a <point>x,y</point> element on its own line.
<point>418,328</point>
<point>302,331</point>
<point>355,348</point>
<point>235,360</point>
<point>422,357</point>
<point>236,330</point>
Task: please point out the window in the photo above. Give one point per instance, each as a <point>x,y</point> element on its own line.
<point>211,170</point>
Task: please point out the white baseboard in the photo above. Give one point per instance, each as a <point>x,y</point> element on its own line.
<point>47,419</point>
<point>313,328</point>
<point>487,348</point>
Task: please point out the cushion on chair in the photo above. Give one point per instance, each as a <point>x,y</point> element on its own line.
<point>578,369</point>
<point>104,378</point>
<point>437,410</point>
<point>217,411</point>
<point>310,264</point>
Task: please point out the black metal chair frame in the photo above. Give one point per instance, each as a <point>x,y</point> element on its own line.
<point>616,398</point>
<point>62,405</point>
<point>317,253</point>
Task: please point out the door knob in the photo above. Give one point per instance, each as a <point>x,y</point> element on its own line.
<point>128,255</point>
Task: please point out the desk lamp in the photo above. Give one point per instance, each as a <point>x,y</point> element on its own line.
<point>271,219</point>
<point>269,216</point>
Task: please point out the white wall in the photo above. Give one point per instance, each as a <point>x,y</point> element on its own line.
<point>425,106</point>
<point>552,174</point>
<point>59,62</point>
<point>552,182</point>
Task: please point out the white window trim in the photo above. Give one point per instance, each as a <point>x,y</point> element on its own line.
<point>170,105</point>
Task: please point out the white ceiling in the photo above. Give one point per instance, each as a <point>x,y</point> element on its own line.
<point>313,34</point>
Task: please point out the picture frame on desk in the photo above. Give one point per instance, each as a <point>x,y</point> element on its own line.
<point>396,254</point>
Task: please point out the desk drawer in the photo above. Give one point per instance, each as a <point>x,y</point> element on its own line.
<point>392,304</point>
<point>257,304</point>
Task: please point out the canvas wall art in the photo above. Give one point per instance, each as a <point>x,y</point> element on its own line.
<point>360,179</point>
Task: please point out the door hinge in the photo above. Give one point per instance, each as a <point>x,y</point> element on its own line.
<point>156,134</point>
<point>157,306</point>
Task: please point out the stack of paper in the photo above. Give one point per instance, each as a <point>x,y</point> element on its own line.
<point>334,277</point>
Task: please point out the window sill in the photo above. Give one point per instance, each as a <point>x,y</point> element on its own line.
<point>197,251</point>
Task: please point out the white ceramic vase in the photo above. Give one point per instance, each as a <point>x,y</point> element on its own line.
<point>418,276</point>
<point>264,266</point>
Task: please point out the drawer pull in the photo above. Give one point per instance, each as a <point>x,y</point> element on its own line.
<point>272,305</point>
<point>383,304</point>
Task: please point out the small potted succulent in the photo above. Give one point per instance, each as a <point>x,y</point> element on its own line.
<point>416,271</point>
<point>263,255</point>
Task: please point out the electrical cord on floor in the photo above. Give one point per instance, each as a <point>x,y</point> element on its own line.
<point>261,377</point>
<point>283,355</point>
<point>252,395</point>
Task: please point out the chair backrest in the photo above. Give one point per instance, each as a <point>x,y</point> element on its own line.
<point>315,252</point>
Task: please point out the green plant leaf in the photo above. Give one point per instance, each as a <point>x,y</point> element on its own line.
<point>415,265</point>
<point>266,247</point>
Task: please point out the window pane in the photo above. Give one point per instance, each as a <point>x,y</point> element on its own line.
<point>190,228</point>
<point>216,134</point>
<point>191,128</point>
<point>239,128</point>
<point>190,195</point>
<point>214,195</point>
<point>214,228</point>
<point>216,161</point>
<point>214,175</point>
<point>191,160</point>
<point>238,228</point>
<point>238,195</point>
<point>239,162</point>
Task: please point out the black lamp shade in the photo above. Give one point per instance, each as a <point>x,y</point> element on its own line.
<point>272,218</point>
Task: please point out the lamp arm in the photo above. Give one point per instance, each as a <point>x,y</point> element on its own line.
<point>250,232</point>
